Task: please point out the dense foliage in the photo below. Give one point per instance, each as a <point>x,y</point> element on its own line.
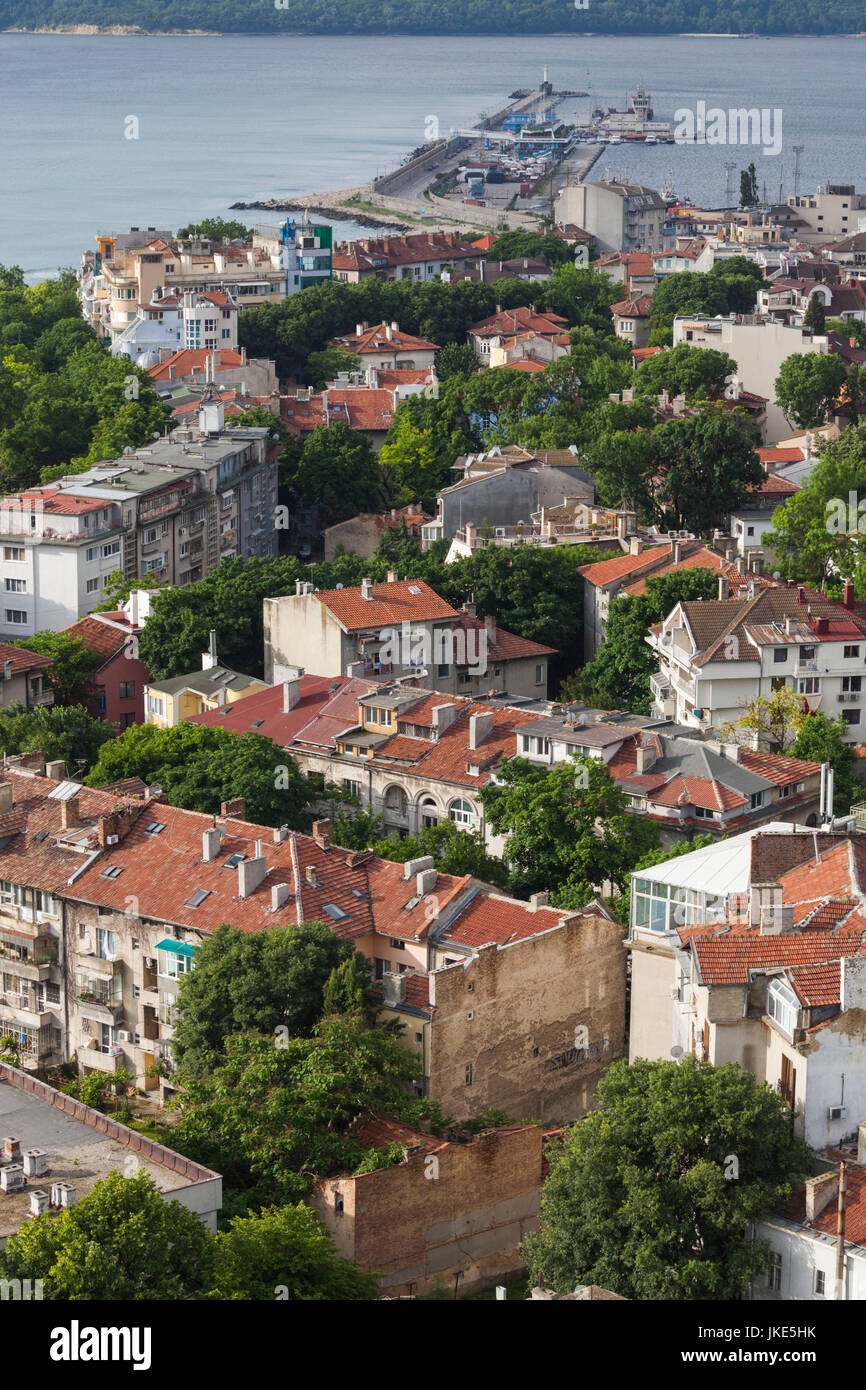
<point>445,17</point>
<point>651,1195</point>
<point>59,731</point>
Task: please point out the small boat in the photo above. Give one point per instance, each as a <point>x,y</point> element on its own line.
<point>651,140</point>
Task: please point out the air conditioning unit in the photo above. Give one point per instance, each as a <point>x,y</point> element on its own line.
<point>125,1037</point>
<point>837,1112</point>
<point>112,839</point>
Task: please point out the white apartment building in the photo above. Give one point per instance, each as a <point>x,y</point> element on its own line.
<point>175,322</point>
<point>759,347</point>
<point>752,951</point>
<point>716,657</point>
<point>834,209</point>
<point>620,216</point>
<point>173,510</point>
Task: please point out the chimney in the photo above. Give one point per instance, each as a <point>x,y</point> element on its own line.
<point>646,757</point>
<point>279,896</point>
<point>425,882</point>
<point>758,563</point>
<point>236,808</point>
<point>311,877</point>
<point>209,658</point>
<point>392,576</point>
<point>848,594</point>
<point>443,716</point>
<point>676,550</point>
<point>490,629</point>
<point>723,588</point>
<point>480,726</point>
<point>56,770</point>
<point>322,833</point>
<point>210,844</point>
<point>11,1149</point>
<point>820,1192</point>
<point>7,796</point>
<point>538,900</point>
<point>251,872</point>
<point>280,834</point>
<point>393,988</point>
<point>291,693</point>
<point>751,589</point>
<point>367,588</point>
<point>801,594</point>
<point>389,332</point>
<point>412,867</point>
<point>822,627</point>
<point>359,328</point>
<point>299,587</point>
<point>741,565</point>
<point>69,813</point>
<point>634,545</point>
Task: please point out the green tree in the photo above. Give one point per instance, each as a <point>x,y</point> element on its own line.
<point>74,662</point>
<point>686,293</point>
<point>817,533</point>
<point>347,990</point>
<point>821,739</point>
<point>200,766</point>
<point>285,1253</point>
<point>62,732</point>
<point>690,371</point>
<point>322,367</point>
<point>218,229</point>
<point>454,851</point>
<point>271,1118</point>
<point>569,829</point>
<point>455,359</point>
<point>254,982</point>
<point>814,317</point>
<point>653,1193</point>
<point>707,463</point>
<point>848,328</point>
<point>774,720</point>
<point>122,1241</point>
<point>338,473</point>
<point>619,675</point>
<point>547,246</point>
<point>808,386</point>
<point>748,187</point>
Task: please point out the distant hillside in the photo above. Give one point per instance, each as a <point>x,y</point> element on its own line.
<point>445,16</point>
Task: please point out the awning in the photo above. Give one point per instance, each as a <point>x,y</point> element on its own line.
<point>180,948</point>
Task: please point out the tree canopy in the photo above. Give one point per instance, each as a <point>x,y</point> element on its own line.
<point>285,1253</point>
<point>64,732</point>
<point>651,1195</point>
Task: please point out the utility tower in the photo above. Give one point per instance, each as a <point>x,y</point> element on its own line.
<point>798,150</point>
<point>730,166</point>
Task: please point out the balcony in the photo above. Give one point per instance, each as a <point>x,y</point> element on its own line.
<point>660,687</point>
<point>849,697</point>
<point>686,686</point>
<point>100,1056</point>
<point>31,969</point>
<point>91,964</point>
<point>804,667</point>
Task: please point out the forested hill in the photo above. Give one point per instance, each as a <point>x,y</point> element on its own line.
<point>445,16</point>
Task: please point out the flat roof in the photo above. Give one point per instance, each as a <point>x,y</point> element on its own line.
<point>719,869</point>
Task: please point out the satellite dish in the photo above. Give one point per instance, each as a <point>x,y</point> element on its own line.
<point>127,452</point>
<point>676,1051</point>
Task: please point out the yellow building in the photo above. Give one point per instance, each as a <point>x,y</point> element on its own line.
<point>169,702</point>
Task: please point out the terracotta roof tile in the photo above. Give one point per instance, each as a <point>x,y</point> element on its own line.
<point>407,600</point>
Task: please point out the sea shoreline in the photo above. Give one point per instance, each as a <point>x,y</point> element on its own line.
<point>127,31</point>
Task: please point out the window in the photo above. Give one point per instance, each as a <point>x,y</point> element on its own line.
<point>13,552</point>
<point>92,585</point>
<point>441,670</point>
<point>807,654</point>
<point>16,586</point>
<point>808,685</point>
<point>12,893</point>
<point>106,943</point>
<point>173,964</point>
<point>335,913</point>
<point>198,897</point>
<point>396,944</point>
<point>16,617</point>
<point>462,813</point>
<point>851,716</point>
<point>154,704</point>
<point>429,813</point>
<point>774,1273</point>
<point>780,655</point>
<point>469,1074</point>
<point>702,813</point>
<point>756,800</point>
<point>539,673</point>
<point>44,902</point>
<point>113,871</point>
<point>156,827</point>
<point>820,1283</point>
<point>112,548</point>
<point>127,690</point>
<point>380,967</point>
<point>850,684</point>
<point>782,1006</point>
<point>850,652</point>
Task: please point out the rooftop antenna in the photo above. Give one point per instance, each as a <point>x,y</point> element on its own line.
<point>798,150</point>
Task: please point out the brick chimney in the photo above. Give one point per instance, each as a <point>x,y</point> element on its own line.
<point>848,594</point>
<point>236,808</point>
<point>322,833</point>
<point>490,629</point>
<point>69,813</point>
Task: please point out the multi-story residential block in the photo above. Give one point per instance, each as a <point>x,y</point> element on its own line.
<point>603,580</point>
<point>220,367</point>
<point>754,517</point>
<point>631,320</point>
<point>176,322</point>
<point>386,347</point>
<point>787,300</point>
<point>23,680</point>
<point>366,402</point>
<point>752,951</point>
<point>834,210</point>
<point>173,510</point>
<point>716,657</point>
<point>53,1134</point>
<point>759,346</point>
<point>620,216</point>
<point>105,894</point>
<point>124,273</point>
<point>506,486</point>
<point>170,702</point>
<point>304,250</point>
<point>402,628</point>
<point>417,256</point>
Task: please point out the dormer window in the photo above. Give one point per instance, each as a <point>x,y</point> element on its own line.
<point>782,1006</point>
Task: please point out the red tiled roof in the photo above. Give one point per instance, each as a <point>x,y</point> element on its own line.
<point>778,454</point>
<point>22,660</point>
<point>390,603</point>
<point>728,961</point>
<point>376,340</point>
<point>781,770</point>
<point>523,364</point>
<point>705,792</point>
<point>524,319</point>
<point>99,637</point>
<point>507,646</point>
<point>636,308</point>
<point>772,486</point>
<point>641,354</point>
<point>699,559</point>
<point>54,501</point>
<point>374,254</point>
<point>794,1209</point>
<point>191,361</point>
<point>262,713</point>
<point>500,920</point>
<point>607,571</point>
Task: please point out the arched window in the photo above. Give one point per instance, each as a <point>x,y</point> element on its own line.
<point>396,801</point>
<point>429,812</point>
<point>462,814</point>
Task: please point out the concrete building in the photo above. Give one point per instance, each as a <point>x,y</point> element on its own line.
<point>24,677</point>
<point>631,320</point>
<point>385,345</point>
<point>173,510</point>
<point>717,656</point>
<point>416,256</point>
<point>834,210</point>
<point>454,1212</point>
<point>759,346</point>
<point>117,684</point>
<point>177,322</point>
<point>362,534</point>
<point>754,518</point>
<point>504,487</point>
<point>620,216</point>
<point>508,334</point>
<point>389,631</point>
<point>62,1148</point>
<point>220,367</point>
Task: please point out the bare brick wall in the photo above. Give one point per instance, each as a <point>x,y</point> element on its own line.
<point>521,1043</point>
<point>469,1215</point>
